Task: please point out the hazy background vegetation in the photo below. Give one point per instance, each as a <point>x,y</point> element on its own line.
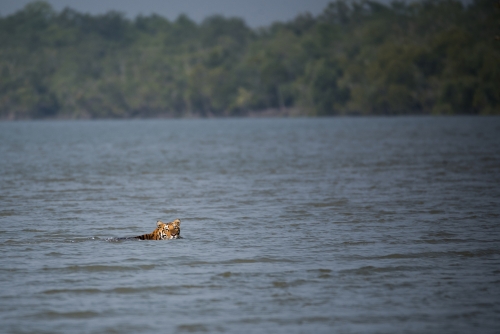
<point>425,57</point>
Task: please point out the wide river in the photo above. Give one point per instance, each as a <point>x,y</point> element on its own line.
<point>328,225</point>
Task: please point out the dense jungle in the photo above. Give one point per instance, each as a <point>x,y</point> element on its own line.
<point>355,58</point>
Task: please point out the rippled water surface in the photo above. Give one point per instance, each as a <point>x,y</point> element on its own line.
<point>344,225</point>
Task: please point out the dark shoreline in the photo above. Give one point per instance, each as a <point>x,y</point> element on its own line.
<point>266,113</point>
<point>361,59</point>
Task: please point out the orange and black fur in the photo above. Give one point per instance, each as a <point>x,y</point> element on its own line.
<point>163,231</point>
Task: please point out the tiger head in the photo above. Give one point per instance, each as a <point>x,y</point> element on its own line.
<point>162,230</point>
<point>171,230</point>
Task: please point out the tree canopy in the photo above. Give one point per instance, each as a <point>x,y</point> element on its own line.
<point>356,57</point>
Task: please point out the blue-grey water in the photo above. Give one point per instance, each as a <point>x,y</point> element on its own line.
<point>343,225</point>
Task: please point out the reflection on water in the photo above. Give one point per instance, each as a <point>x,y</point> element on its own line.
<point>289,225</point>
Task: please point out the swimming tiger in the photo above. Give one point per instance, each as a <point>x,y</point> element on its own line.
<point>163,231</point>
<point>175,228</point>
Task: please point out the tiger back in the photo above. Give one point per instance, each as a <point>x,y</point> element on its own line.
<point>160,233</point>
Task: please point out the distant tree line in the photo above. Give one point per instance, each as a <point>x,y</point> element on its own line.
<point>426,57</point>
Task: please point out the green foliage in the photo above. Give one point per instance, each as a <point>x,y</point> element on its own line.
<point>357,57</point>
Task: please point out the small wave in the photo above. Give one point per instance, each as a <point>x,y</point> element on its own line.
<point>71,291</point>
<point>368,270</point>
<point>356,243</point>
<point>174,289</point>
<point>226,274</point>
<point>102,268</point>
<point>240,261</point>
<point>71,315</point>
<point>114,239</point>
<point>322,273</point>
<point>84,239</point>
<point>430,255</point>
<point>258,260</point>
<point>334,203</point>
<point>7,213</point>
<point>478,253</point>
<point>192,328</point>
<point>283,284</point>
<point>32,230</point>
<point>57,254</point>
<point>441,241</point>
<point>54,238</point>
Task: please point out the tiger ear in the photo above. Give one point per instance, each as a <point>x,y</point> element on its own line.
<point>158,223</point>
<point>178,221</point>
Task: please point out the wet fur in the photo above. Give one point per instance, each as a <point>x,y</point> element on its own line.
<point>163,231</point>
